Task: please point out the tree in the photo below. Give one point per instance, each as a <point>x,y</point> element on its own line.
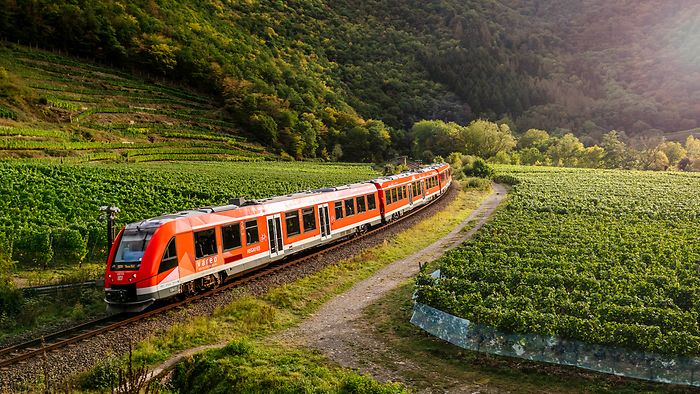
<point>379,140</point>
<point>533,156</point>
<point>439,137</point>
<point>566,151</point>
<point>674,151</point>
<point>614,150</point>
<point>655,160</point>
<point>593,157</point>
<point>534,138</point>
<point>485,139</point>
<point>692,146</point>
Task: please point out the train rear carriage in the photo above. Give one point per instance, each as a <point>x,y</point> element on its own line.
<point>444,176</point>
<point>197,249</point>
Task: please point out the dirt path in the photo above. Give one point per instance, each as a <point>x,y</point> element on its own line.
<point>338,330</point>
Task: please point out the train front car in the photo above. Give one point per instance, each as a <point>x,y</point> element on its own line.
<point>131,277</point>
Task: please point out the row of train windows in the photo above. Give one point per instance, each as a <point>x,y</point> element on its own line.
<point>205,240</point>
<point>397,194</point>
<point>361,203</point>
<point>432,182</point>
<point>308,220</point>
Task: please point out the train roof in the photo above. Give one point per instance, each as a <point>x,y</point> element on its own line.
<point>406,174</point>
<point>307,197</point>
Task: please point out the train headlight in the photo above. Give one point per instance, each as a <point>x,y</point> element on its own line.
<point>133,276</point>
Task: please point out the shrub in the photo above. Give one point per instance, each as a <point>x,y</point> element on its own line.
<point>478,168</point>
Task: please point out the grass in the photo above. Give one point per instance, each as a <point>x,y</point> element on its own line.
<point>35,276</point>
<point>64,307</point>
<point>251,318</point>
<point>243,367</point>
<point>442,366</point>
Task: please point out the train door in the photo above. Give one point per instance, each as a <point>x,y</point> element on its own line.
<point>274,232</point>
<point>422,188</point>
<point>325,221</point>
<point>410,194</point>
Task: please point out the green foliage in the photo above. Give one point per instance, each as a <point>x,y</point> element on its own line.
<point>101,376</point>
<point>10,298</point>
<point>601,256</point>
<point>32,247</point>
<point>395,64</point>
<point>242,367</point>
<point>481,138</point>
<point>68,245</point>
<point>51,211</point>
<point>477,168</point>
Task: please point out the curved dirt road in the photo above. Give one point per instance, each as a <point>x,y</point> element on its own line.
<point>337,328</point>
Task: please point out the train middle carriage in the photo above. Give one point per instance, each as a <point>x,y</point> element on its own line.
<point>196,249</point>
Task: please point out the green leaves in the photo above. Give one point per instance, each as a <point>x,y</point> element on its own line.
<point>605,257</point>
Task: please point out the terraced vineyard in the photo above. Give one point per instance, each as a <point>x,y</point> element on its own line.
<point>50,211</point>
<point>607,257</point>
<point>60,108</point>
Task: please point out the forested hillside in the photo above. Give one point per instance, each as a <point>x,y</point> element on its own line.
<point>308,77</point>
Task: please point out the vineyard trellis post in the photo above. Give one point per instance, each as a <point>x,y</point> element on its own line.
<point>109,215</point>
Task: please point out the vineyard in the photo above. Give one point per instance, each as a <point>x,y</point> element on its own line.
<point>49,212</point>
<point>60,109</point>
<point>606,257</point>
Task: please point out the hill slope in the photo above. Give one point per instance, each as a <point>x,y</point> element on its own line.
<point>305,76</point>
<point>58,107</point>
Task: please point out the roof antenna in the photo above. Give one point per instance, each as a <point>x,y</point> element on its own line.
<point>239,201</point>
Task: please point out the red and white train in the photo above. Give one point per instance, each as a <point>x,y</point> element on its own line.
<point>193,250</point>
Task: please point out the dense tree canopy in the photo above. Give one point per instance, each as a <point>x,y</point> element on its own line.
<point>565,66</point>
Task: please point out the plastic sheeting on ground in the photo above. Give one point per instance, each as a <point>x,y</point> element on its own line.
<point>556,350</point>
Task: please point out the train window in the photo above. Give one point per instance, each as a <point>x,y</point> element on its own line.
<point>394,194</point>
<point>205,243</point>
<point>291,220</point>
<point>132,246</point>
<point>231,236</point>
<point>388,196</point>
<point>404,191</point>
<point>349,207</point>
<point>169,260</point>
<point>251,232</point>
<point>400,193</point>
<point>309,219</point>
<point>361,207</point>
<point>338,210</point>
<point>371,203</point>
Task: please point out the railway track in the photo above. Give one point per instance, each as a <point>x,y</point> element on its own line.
<point>24,351</point>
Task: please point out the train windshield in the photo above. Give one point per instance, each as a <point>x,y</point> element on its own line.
<point>132,246</point>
